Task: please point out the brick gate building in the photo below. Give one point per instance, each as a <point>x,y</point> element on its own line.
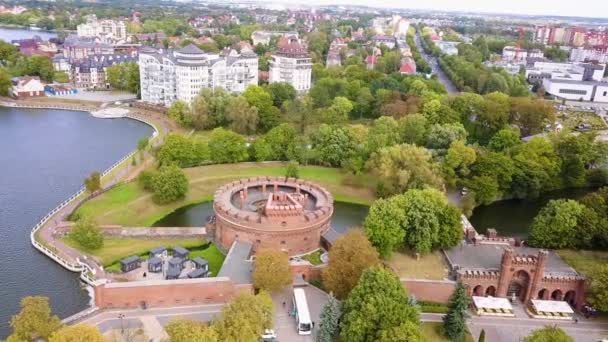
<point>525,273</point>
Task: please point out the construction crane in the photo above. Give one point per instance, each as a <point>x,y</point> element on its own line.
<point>520,42</point>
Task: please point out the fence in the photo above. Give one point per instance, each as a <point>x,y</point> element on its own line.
<point>85,270</point>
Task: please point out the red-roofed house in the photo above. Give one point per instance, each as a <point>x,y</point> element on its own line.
<point>371,61</point>
<point>408,66</point>
<point>27,86</point>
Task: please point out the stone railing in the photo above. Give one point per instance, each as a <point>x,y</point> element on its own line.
<point>87,272</point>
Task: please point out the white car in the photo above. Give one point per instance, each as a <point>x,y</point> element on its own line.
<point>269,335</point>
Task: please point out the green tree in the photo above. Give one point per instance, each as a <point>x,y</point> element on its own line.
<point>537,168</point>
<point>245,317</point>
<point>300,114</point>
<point>258,98</point>
<point>403,167</point>
<point>280,92</point>
<point>350,255</point>
<point>384,225</point>
<point>455,321</point>
<point>550,333</point>
<point>227,147</point>
<point>184,330</point>
<point>333,145</point>
<point>405,332</point>
<point>183,151</point>
<point>598,288</point>
<point>413,129</point>
<point>556,225</point>
<point>35,320</point>
<point>338,112</point>
<point>329,320</point>
<point>458,161</point>
<point>142,144</point>
<point>482,336</point>
<point>242,117</point>
<point>376,306</point>
<point>293,170</point>
<point>5,82</point>
<point>87,233</point>
<point>440,136</point>
<point>77,333</point>
<point>271,270</point>
<point>504,139</point>
<point>200,113</point>
<point>169,184</point>
<point>280,143</point>
<point>93,182</point>
<point>180,112</point>
<point>384,132</point>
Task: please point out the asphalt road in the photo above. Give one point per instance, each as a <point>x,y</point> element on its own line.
<point>441,76</point>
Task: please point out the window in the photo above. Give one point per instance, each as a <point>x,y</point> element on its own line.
<point>605,93</point>
<point>573,91</point>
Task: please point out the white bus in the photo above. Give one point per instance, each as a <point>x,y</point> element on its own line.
<point>301,312</point>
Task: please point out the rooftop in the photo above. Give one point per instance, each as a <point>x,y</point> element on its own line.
<point>488,257</point>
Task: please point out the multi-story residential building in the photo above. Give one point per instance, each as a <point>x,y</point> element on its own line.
<point>264,37</point>
<point>90,72</point>
<point>170,75</point>
<point>75,48</point>
<point>333,55</point>
<point>292,64</point>
<point>518,55</point>
<point>449,48</point>
<point>107,29</point>
<point>389,41</point>
<point>582,55</point>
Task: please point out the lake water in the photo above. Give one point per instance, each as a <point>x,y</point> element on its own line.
<point>346,215</point>
<point>514,217</point>
<point>8,33</point>
<point>44,157</point>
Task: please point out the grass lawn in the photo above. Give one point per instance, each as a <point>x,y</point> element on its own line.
<point>130,205</point>
<point>431,266</point>
<point>431,331</point>
<point>213,255</point>
<point>572,119</point>
<point>114,250</point>
<point>314,257</point>
<point>584,262</point>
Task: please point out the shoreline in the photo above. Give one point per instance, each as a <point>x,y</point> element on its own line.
<point>85,270</point>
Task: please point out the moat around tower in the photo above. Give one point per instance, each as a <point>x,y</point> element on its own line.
<point>272,212</point>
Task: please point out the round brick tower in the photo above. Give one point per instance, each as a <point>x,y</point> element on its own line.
<point>272,212</point>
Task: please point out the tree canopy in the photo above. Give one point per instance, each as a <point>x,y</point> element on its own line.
<point>271,270</point>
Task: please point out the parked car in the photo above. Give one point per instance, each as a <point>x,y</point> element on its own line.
<point>269,335</point>
<point>464,191</point>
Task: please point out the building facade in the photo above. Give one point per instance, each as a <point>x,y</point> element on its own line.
<point>90,72</point>
<point>170,75</point>
<point>520,272</point>
<point>291,64</point>
<point>577,90</point>
<point>107,29</point>
<point>27,87</point>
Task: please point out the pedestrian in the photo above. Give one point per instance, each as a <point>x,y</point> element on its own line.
<point>313,324</point>
<point>283,303</point>
<point>576,320</point>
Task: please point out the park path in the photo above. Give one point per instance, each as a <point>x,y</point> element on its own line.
<point>48,231</point>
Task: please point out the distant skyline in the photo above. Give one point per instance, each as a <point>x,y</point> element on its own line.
<point>589,8</point>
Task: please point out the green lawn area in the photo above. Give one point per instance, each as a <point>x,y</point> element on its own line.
<point>314,257</point>
<point>213,255</point>
<point>431,331</point>
<point>130,205</point>
<point>430,266</point>
<point>572,119</point>
<point>584,262</point>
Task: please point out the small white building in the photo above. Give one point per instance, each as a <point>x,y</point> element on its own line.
<point>27,86</point>
<point>263,37</point>
<point>449,48</point>
<point>550,309</point>
<point>389,41</point>
<point>492,306</point>
<point>106,29</point>
<point>291,64</point>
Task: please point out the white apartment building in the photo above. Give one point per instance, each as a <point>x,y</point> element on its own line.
<point>581,54</point>
<point>516,55</point>
<point>449,48</point>
<point>539,70</point>
<point>170,75</point>
<point>106,29</point>
<point>291,64</point>
<point>264,37</point>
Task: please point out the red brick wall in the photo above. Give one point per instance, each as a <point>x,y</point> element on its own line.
<point>167,292</point>
<point>431,290</point>
<point>309,272</point>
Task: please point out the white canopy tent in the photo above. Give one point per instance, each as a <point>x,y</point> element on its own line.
<point>554,309</point>
<point>492,306</point>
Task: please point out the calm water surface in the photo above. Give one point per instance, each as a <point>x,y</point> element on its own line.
<point>8,33</point>
<point>514,217</point>
<point>346,215</point>
<point>44,156</point>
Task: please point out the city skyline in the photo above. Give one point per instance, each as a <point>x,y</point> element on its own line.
<point>518,7</point>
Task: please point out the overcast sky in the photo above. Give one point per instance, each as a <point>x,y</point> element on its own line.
<point>580,8</point>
